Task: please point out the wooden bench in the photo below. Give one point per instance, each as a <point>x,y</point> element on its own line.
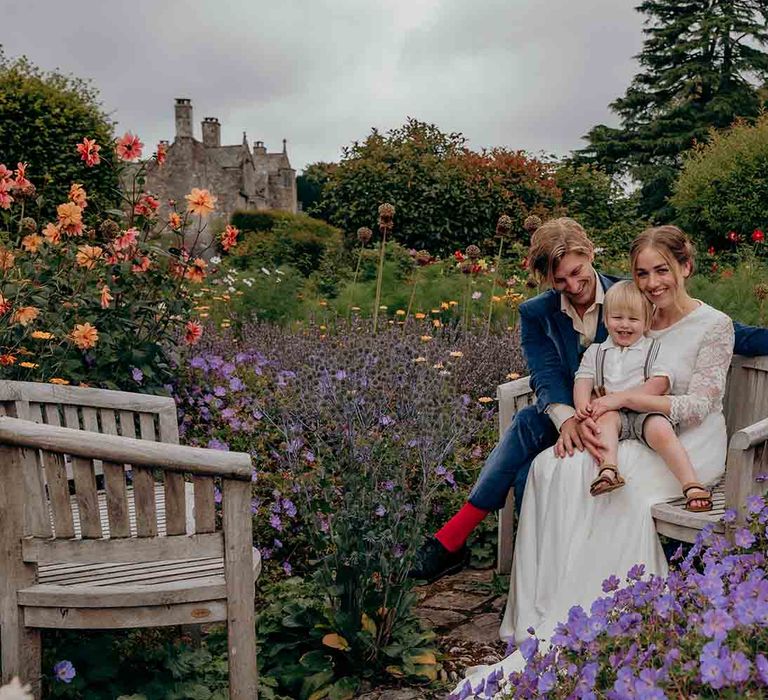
<point>132,555</point>
<point>746,416</point>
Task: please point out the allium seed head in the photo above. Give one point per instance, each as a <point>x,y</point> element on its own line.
<point>503,226</point>
<point>531,223</point>
<point>364,234</point>
<point>472,252</point>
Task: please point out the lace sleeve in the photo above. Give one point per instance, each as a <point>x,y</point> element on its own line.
<point>707,385</point>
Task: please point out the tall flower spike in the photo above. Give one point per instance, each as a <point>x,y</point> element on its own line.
<point>364,234</point>
<point>503,226</point>
<point>386,216</point>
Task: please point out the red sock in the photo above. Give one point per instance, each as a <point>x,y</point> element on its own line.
<point>454,533</point>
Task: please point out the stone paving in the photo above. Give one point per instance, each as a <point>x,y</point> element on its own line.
<point>465,611</point>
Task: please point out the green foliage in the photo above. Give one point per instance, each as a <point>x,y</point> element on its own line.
<point>309,185</point>
<point>446,195</point>
<point>272,239</point>
<point>701,65</point>
<point>137,665</point>
<point>723,185</point>
<point>736,291</point>
<point>259,220</point>
<point>43,116</point>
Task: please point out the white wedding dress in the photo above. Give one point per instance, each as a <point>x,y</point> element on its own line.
<point>568,542</point>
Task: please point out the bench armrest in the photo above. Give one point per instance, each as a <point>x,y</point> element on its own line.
<point>511,390</point>
<point>750,436</point>
<point>124,450</point>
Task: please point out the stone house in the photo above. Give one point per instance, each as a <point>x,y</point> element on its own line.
<point>240,177</point>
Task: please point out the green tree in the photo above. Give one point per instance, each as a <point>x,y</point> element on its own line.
<point>310,183</point>
<point>702,66</point>
<point>43,116</point>
<point>446,195</point>
<point>723,185</point>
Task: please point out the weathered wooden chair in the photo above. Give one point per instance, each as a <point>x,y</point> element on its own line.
<point>123,557</point>
<point>746,417</point>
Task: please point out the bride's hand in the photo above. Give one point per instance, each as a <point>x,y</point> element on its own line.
<point>610,402</point>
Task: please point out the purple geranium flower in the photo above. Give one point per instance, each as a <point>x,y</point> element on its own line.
<point>64,671</point>
<point>137,375</point>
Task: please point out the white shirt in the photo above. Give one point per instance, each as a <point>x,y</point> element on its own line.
<point>623,367</point>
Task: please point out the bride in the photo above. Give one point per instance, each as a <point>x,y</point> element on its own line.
<point>568,542</point>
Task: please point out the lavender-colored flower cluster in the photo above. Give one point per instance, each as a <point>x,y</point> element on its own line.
<point>700,632</point>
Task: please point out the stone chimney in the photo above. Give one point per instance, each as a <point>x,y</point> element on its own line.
<point>259,148</point>
<point>211,132</point>
<point>183,118</point>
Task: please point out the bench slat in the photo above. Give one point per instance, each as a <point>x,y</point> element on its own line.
<point>58,493</point>
<point>87,497</point>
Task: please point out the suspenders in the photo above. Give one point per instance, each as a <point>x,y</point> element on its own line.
<point>650,358</point>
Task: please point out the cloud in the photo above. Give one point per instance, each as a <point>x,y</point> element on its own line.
<point>523,74</point>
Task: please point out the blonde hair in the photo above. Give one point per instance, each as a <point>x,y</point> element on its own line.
<point>552,241</point>
<point>671,243</point>
<point>625,296</point>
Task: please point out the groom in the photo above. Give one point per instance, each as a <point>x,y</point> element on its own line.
<point>555,327</point>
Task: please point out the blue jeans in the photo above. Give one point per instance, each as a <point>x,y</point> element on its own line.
<point>508,464</point>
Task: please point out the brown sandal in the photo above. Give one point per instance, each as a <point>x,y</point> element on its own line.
<point>690,486</point>
<point>604,483</point>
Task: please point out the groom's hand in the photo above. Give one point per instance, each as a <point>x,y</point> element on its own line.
<point>569,438</point>
<point>589,432</point>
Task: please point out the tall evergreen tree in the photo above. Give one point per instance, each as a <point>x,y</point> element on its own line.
<point>703,65</point>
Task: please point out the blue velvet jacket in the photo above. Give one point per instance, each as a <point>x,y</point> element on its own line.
<point>553,352</point>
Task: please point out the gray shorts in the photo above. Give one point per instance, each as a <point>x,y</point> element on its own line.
<point>632,424</point>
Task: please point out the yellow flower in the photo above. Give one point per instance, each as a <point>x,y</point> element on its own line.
<point>512,375</point>
<point>456,353</point>
<point>383,307</point>
<point>495,298</point>
<point>354,308</point>
<point>438,365</point>
<point>453,303</point>
<point>420,315</point>
<point>485,399</point>
<point>88,255</point>
<point>419,359</point>
<point>58,380</point>
<point>400,312</point>
<point>435,311</point>
<point>323,302</point>
<point>84,335</point>
<point>426,338</point>
<point>28,365</point>
<point>25,315</point>
<point>436,322</point>
<point>70,218</point>
<point>41,335</point>
<point>32,242</point>
<point>200,202</point>
<point>445,305</point>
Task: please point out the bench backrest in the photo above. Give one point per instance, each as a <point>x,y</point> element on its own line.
<point>745,402</point>
<point>97,410</point>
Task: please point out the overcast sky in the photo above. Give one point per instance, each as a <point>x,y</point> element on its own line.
<point>531,74</point>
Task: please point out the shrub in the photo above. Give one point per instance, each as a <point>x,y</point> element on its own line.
<point>86,299</point>
<point>701,632</point>
<point>446,195</point>
<point>723,185</point>
<point>273,239</point>
<point>43,116</point>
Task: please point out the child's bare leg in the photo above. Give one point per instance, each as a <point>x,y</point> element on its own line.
<point>610,427</point>
<point>660,435</point>
<point>608,478</point>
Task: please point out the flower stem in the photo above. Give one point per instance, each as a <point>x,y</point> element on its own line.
<point>379,277</point>
<point>493,288</point>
